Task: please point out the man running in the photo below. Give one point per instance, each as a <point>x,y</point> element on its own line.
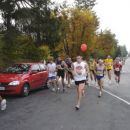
<point>100,68</point>
<point>117,69</point>
<point>79,72</point>
<point>51,66</point>
<point>61,65</point>
<point>109,66</point>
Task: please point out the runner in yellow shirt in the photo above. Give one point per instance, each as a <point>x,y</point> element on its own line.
<point>109,66</point>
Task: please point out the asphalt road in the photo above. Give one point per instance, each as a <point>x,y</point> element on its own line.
<point>45,110</point>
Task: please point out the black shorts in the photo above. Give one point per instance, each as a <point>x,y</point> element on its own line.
<point>109,70</point>
<point>61,74</point>
<point>80,82</point>
<point>117,73</point>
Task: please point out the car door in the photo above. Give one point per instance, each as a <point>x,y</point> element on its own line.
<point>43,74</point>
<point>35,76</point>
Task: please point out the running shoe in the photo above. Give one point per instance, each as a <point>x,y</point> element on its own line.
<point>53,89</point>
<point>77,108</point>
<point>100,94</point>
<point>3,104</point>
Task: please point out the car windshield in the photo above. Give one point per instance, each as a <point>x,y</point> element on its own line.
<point>17,69</point>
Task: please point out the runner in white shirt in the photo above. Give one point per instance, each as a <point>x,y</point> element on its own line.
<point>79,70</point>
<point>51,66</point>
<point>100,68</point>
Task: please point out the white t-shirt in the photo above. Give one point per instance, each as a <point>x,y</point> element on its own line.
<point>100,70</point>
<point>80,71</point>
<point>52,69</point>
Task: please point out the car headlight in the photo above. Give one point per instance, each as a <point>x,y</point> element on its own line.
<point>14,83</point>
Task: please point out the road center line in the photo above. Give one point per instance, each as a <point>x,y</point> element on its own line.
<point>121,99</point>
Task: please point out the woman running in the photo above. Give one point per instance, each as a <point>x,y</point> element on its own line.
<point>100,68</point>
<point>117,69</point>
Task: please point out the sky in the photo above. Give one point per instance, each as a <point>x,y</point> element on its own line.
<point>114,15</point>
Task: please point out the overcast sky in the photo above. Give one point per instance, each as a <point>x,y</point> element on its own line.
<point>114,15</point>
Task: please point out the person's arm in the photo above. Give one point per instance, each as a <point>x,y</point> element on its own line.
<point>87,68</point>
<point>72,69</point>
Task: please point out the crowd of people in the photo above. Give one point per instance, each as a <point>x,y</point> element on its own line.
<point>80,71</point>
<point>63,72</point>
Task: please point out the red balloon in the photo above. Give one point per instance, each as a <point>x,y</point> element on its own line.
<point>83,47</point>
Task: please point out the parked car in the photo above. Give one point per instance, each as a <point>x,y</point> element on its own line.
<point>20,79</point>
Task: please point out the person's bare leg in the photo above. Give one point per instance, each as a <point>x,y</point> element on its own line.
<point>69,77</point>
<point>80,92</point>
<point>91,76</point>
<point>0,98</point>
<point>100,83</point>
<point>57,83</point>
<point>63,84</point>
<point>109,74</point>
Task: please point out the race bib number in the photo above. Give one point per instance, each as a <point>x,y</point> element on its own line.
<point>117,69</point>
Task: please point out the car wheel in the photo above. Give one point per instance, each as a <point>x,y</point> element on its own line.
<point>25,90</point>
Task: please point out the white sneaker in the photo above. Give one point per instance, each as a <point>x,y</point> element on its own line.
<point>3,104</point>
<point>58,89</point>
<point>53,89</point>
<point>100,94</point>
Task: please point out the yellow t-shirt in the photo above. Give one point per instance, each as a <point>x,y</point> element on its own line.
<point>92,65</point>
<point>109,64</point>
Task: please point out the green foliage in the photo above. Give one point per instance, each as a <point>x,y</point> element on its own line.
<point>45,52</point>
<point>122,51</point>
<point>77,27</point>
<point>33,29</point>
<point>107,43</point>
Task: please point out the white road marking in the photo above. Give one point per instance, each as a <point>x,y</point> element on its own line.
<point>121,99</point>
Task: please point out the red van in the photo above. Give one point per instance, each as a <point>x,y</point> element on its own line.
<point>20,79</point>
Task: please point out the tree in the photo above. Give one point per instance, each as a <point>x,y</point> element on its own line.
<point>41,22</point>
<point>124,51</point>
<point>8,10</point>
<point>107,43</point>
<point>78,26</point>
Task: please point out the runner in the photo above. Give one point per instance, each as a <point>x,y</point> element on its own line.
<point>79,72</point>
<point>100,68</point>
<point>68,71</point>
<point>51,66</point>
<point>109,66</point>
<point>2,103</point>
<point>117,70</point>
<point>61,65</point>
<point>92,66</point>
